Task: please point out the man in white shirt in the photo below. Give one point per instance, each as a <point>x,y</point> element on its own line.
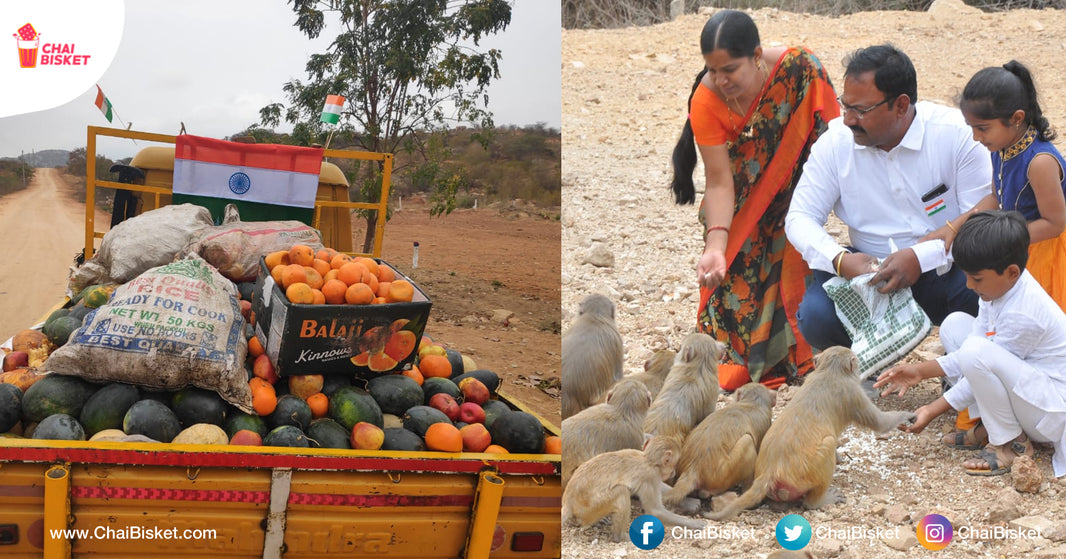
<point>894,172</point>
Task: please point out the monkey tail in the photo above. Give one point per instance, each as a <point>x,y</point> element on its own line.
<point>753,496</point>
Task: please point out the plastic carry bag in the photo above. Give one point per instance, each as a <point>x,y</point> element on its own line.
<point>883,327</point>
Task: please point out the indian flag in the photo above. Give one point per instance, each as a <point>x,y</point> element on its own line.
<point>331,113</point>
<point>935,207</point>
<point>103,103</point>
<point>263,173</point>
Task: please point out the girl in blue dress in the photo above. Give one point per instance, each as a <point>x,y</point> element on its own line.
<point>1000,104</point>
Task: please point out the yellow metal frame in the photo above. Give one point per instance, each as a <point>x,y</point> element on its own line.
<point>91,234</point>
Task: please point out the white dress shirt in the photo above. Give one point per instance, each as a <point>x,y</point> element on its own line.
<point>878,194</point>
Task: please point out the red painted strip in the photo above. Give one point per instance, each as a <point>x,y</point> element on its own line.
<point>21,491</point>
<point>381,500</point>
<point>264,156</point>
<point>154,494</point>
<point>532,502</point>
<point>255,460</point>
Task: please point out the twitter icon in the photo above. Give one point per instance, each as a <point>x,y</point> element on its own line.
<point>793,532</point>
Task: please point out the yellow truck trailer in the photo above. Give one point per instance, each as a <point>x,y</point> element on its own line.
<point>63,499</point>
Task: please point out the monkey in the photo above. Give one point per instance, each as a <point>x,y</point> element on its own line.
<point>720,452</point>
<point>655,371</point>
<point>592,355</point>
<point>604,485</point>
<point>614,425</point>
<point>798,454</point>
<point>690,391</point>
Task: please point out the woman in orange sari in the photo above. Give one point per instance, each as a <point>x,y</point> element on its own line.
<point>754,114</point>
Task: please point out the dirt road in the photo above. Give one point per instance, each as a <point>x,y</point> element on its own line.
<point>42,228</point>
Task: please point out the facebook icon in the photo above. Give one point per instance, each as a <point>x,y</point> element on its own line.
<point>646,532</point>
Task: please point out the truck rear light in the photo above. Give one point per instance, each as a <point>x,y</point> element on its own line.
<point>9,534</point>
<point>527,541</point>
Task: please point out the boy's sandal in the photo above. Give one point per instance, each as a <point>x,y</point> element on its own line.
<point>996,457</point>
<point>968,439</point>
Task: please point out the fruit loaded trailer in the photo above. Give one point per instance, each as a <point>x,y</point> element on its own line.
<point>128,499</point>
<point>108,498</point>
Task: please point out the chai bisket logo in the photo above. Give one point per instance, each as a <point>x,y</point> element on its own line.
<point>51,54</point>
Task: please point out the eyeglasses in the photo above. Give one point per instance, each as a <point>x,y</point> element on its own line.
<point>859,113</point>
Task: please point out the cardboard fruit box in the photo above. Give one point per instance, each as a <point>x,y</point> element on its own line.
<point>319,339</point>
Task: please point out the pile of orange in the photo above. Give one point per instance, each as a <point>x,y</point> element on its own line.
<point>334,278</point>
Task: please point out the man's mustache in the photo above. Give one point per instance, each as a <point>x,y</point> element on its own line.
<point>857,128</point>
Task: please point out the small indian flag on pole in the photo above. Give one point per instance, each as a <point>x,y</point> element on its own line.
<point>103,103</point>
<point>331,113</point>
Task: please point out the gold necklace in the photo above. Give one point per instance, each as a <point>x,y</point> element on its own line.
<point>736,100</point>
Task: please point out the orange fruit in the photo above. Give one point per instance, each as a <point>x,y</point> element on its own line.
<point>444,437</point>
<point>321,266</point>
<point>435,366</point>
<point>378,301</point>
<point>383,289</point>
<point>370,264</point>
<point>264,398</point>
<point>496,449</point>
<point>319,404</point>
<point>301,254</point>
<point>339,260</point>
<point>325,254</point>
<point>300,293</point>
<point>275,258</point>
<point>415,374</point>
<point>358,294</point>
<point>553,445</point>
<point>351,273</point>
<point>371,280</point>
<point>314,279</point>
<point>255,349</point>
<point>293,273</point>
<point>317,297</point>
<point>334,291</point>
<point>400,291</point>
<point>276,271</point>
<point>385,273</point>
<point>333,273</point>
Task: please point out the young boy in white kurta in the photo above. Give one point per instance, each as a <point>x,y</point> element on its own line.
<point>1009,364</point>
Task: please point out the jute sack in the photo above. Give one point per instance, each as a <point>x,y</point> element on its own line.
<point>170,327</point>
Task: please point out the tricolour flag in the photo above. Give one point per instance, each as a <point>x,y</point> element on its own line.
<point>103,103</point>
<point>263,173</point>
<point>331,113</point>
<point>935,207</point>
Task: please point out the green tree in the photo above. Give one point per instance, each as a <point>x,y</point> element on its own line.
<point>406,69</point>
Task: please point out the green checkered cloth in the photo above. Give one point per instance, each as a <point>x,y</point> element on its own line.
<point>883,327</point>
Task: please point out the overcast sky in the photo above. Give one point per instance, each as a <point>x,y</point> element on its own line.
<point>213,64</point>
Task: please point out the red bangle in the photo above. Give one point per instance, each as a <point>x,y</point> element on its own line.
<point>716,228</point>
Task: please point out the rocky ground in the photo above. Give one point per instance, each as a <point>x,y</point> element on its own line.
<point>624,93</point>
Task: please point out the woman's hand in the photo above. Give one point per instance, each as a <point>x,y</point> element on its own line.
<point>711,268</point>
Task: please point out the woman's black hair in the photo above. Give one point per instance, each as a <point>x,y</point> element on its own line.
<point>997,92</point>
<point>992,240</point>
<point>739,38</point>
<point>894,73</point>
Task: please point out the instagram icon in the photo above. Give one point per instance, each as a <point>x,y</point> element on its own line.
<point>935,532</point>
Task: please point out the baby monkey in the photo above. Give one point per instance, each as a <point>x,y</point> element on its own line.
<point>604,485</point>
